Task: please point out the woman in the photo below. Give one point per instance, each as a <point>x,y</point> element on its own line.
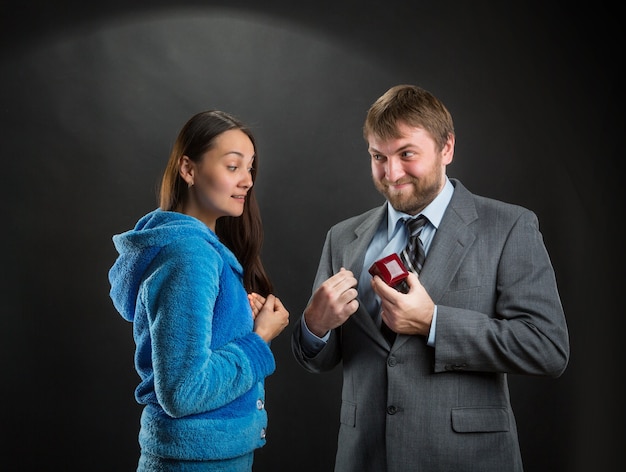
<point>188,276</point>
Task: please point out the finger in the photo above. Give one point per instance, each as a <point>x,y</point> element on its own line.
<point>353,305</point>
<point>349,295</point>
<point>278,305</point>
<point>379,286</point>
<point>268,305</point>
<point>342,276</point>
<point>258,297</point>
<point>412,280</point>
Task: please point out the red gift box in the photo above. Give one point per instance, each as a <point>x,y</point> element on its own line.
<point>390,269</point>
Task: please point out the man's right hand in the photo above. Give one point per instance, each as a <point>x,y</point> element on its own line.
<point>332,303</point>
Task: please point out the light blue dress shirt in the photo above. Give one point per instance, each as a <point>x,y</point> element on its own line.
<point>392,237</point>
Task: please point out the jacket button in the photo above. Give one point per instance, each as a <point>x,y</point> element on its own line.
<point>259,404</point>
<point>391,410</point>
<point>263,433</point>
<point>392,361</point>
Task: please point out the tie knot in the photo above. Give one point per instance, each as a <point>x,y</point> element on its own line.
<point>415,225</point>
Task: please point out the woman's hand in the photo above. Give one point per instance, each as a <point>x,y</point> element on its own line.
<point>256,303</point>
<point>270,316</point>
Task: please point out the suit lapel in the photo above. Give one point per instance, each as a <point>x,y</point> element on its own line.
<point>453,240</point>
<point>354,255</point>
<point>354,252</point>
<point>450,244</point>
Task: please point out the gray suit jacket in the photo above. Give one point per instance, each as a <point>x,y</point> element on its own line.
<point>416,408</point>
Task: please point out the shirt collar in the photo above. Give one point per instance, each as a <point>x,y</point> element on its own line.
<point>434,211</point>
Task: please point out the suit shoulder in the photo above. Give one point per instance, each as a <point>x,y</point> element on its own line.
<point>354,221</point>
<point>490,206</point>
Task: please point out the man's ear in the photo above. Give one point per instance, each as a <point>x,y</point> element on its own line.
<point>448,150</point>
<point>187,170</point>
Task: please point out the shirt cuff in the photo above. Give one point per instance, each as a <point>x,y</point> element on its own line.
<point>433,328</point>
<point>312,344</point>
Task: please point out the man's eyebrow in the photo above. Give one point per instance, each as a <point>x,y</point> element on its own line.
<point>401,148</point>
<point>405,147</point>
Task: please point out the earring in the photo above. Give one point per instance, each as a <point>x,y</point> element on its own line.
<point>190,184</point>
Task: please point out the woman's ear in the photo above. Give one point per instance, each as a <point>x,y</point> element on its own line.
<point>186,169</point>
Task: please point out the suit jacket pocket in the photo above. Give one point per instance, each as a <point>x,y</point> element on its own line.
<point>347,415</point>
<point>480,419</point>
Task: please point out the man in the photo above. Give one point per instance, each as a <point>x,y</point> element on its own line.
<point>485,304</point>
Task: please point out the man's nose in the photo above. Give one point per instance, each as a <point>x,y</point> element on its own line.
<point>394,169</point>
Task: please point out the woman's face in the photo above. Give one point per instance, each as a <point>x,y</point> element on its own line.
<point>221,178</point>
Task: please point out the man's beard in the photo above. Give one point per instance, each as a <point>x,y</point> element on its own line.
<point>414,200</point>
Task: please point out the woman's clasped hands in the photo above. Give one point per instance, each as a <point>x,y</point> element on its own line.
<point>270,315</point>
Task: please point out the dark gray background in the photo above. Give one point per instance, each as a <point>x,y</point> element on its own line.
<point>93,94</point>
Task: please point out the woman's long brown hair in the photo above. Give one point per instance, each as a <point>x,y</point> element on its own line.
<point>243,235</point>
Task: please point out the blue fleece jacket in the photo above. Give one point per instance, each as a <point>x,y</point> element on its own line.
<point>201,366</point>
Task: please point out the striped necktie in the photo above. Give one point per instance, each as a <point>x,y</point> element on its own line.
<point>412,256</point>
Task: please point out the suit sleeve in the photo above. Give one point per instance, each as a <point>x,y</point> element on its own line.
<point>329,356</point>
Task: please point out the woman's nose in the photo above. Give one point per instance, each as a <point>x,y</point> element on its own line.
<point>247,181</point>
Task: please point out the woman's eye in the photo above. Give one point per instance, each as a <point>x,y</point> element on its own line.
<point>233,168</point>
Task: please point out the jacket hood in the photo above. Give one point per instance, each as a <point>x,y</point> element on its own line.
<point>138,247</point>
